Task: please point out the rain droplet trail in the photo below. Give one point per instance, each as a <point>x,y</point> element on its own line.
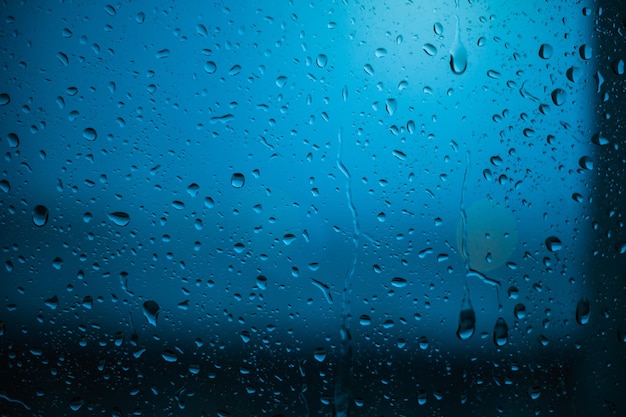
<point>458,52</point>
<point>343,378</point>
<point>467,316</point>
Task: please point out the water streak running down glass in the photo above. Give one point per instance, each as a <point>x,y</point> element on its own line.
<point>325,208</point>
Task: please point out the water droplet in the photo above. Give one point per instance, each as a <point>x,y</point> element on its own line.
<point>281,81</point>
<point>120,218</point>
<point>553,244</point>
<point>586,163</point>
<point>151,312</point>
<point>600,140</point>
<point>430,49</point>
<point>4,99</point>
<point>76,403</point>
<point>458,53</point>
<point>390,106</point>
<point>513,293</point>
<point>288,239</point>
<point>52,302</point>
<point>559,96</point>
<point>237,180</point>
<point>574,74</point>
<point>5,186</point>
<point>467,321</point>
<point>534,392</point>
<point>169,356</point>
<point>234,70</point>
<point>398,282</point>
<point>582,311</point>
<point>321,60</point>
<point>210,67</point>
<point>90,134</point>
<point>261,282</point>
<point>585,52</point>
<point>57,263</point>
<point>40,215</point>
<point>365,320</point>
<point>621,332</point>
<point>319,354</point>
<point>500,333</point>
<point>545,51</point>
<point>422,397</point>
<point>422,341</point>
<point>618,67</point>
<point>438,28</point>
<point>163,53</point>
<point>140,17</point>
<point>13,140</point>
<point>368,69</point>
<point>380,52</point>
<point>520,311</point>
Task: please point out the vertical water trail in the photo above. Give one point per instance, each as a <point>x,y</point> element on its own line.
<point>343,377</point>
<point>467,316</point>
<point>458,52</point>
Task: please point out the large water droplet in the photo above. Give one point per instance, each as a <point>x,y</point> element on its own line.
<point>430,49</point>
<point>321,60</point>
<point>500,332</point>
<point>520,311</point>
<point>4,99</point>
<point>458,53</point>
<point>90,134</point>
<point>151,312</point>
<point>582,311</point>
<point>120,218</point>
<point>398,282</point>
<point>390,106</point>
<point>13,139</point>
<point>559,96</point>
<point>545,51</point>
<point>40,215</point>
<point>237,180</point>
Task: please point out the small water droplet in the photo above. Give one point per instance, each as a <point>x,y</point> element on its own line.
<point>288,239</point>
<point>390,106</point>
<point>151,312</point>
<point>237,180</point>
<point>321,60</point>
<point>169,356</point>
<point>583,309</point>
<point>4,99</point>
<point>120,218</point>
<point>423,343</point>
<point>210,67</point>
<point>520,311</point>
<point>13,140</point>
<point>234,70</point>
<point>76,403</point>
<point>368,69</point>
<point>380,52</point>
<point>422,397</point>
<point>618,67</point>
<point>281,81</point>
<point>438,28</point>
<point>365,320</point>
<point>40,215</point>
<point>500,333</point>
<point>553,244</point>
<point>319,354</point>
<point>399,282</point>
<point>430,49</point>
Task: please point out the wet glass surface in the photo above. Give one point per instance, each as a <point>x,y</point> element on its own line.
<point>323,208</point>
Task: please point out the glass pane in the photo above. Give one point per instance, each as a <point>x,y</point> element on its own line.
<point>321,208</point>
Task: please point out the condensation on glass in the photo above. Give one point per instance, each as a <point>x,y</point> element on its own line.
<point>312,208</point>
